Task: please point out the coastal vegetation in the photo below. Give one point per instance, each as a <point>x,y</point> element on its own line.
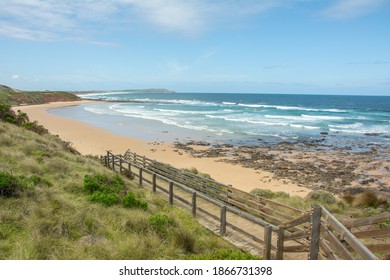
<point>15,97</point>
<point>57,204</point>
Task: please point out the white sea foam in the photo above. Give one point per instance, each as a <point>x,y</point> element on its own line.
<point>291,108</point>
<point>321,118</point>
<point>222,117</point>
<point>304,126</point>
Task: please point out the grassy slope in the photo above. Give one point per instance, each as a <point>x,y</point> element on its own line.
<point>17,97</point>
<point>55,220</point>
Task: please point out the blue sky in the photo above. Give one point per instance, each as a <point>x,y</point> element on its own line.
<point>262,46</point>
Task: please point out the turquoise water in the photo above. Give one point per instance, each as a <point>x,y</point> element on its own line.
<point>243,118</point>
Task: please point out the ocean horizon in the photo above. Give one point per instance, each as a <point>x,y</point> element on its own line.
<point>240,119</point>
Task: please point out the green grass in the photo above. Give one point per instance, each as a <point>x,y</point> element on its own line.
<point>51,214</point>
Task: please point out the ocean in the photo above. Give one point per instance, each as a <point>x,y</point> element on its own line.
<point>246,119</point>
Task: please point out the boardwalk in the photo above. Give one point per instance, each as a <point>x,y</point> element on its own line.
<point>260,226</point>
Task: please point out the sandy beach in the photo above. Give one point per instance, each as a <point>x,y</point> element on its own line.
<point>88,139</point>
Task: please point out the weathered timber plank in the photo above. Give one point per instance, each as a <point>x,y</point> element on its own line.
<point>305,218</point>
<point>259,206</point>
<point>315,223</point>
<point>383,217</point>
<point>372,233</point>
<point>335,243</point>
<point>296,249</point>
<point>327,251</point>
<point>257,213</point>
<point>297,235</point>
<point>379,247</point>
<point>244,232</point>
<point>267,243</point>
<point>359,247</point>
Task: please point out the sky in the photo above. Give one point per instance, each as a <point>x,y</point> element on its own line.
<point>242,46</point>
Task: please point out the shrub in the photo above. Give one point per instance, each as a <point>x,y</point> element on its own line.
<point>103,183</point>
<point>35,127</point>
<point>9,184</point>
<point>322,196</point>
<point>161,223</point>
<point>20,119</point>
<point>6,114</point>
<point>269,194</point>
<point>130,201</point>
<point>195,171</point>
<point>263,193</point>
<point>368,199</point>
<point>106,199</point>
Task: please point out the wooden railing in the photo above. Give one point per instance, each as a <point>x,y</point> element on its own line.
<point>197,202</point>
<point>278,230</point>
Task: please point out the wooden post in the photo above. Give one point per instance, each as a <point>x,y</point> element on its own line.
<point>140,176</point>
<point>107,162</point>
<point>315,223</point>
<point>129,169</point>
<point>222,229</point>
<point>280,244</point>
<point>143,161</point>
<point>194,204</point>
<point>267,242</point>
<point>113,161</point>
<point>154,186</point>
<point>171,193</point>
<point>120,165</point>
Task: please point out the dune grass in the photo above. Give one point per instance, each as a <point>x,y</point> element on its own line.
<point>50,213</point>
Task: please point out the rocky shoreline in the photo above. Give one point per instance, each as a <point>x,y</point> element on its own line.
<point>311,164</point>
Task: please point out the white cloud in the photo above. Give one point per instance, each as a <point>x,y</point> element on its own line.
<point>55,19</point>
<point>15,77</point>
<point>346,9</point>
<point>47,20</point>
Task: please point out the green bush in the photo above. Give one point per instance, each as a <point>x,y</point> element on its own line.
<point>106,199</point>
<point>9,184</point>
<point>103,183</point>
<point>161,223</point>
<point>130,201</point>
<point>269,194</point>
<point>322,196</point>
<point>20,119</point>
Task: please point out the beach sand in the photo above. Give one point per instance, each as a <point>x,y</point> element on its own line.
<point>90,140</point>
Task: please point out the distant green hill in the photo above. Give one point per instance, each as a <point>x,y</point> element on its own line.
<point>4,88</point>
<point>147,90</point>
<point>18,97</point>
<point>57,204</point>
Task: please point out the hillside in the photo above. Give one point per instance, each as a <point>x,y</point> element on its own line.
<point>56,204</point>
<point>18,97</point>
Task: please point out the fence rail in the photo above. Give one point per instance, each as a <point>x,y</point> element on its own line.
<point>277,231</point>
